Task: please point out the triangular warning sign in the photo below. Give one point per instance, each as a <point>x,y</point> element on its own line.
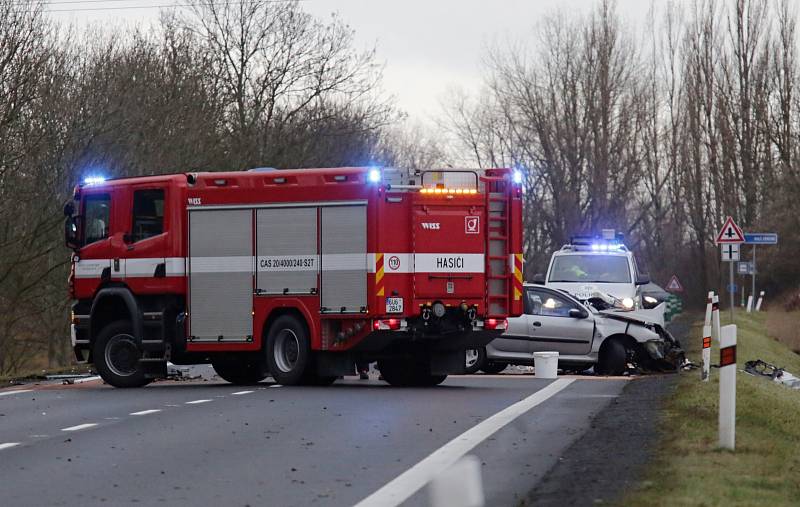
<point>674,285</point>
<point>730,233</point>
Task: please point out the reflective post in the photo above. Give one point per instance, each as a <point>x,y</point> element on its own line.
<point>727,387</point>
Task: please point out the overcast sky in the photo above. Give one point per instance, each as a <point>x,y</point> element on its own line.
<point>426,45</point>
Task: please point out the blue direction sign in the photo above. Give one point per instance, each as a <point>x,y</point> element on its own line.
<point>733,288</point>
<point>761,238</point>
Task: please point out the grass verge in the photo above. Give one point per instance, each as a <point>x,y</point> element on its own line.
<point>689,469</point>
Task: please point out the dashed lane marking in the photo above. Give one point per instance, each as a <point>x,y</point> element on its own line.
<point>412,480</point>
<point>17,391</point>
<point>239,393</point>
<point>8,445</point>
<point>80,427</point>
<point>276,385</point>
<point>147,412</point>
<point>195,402</point>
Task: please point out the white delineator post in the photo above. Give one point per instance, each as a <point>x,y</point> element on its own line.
<point>715,318</point>
<point>709,304</point>
<point>749,303</point>
<point>727,387</point>
<point>760,300</point>
<point>461,485</point>
<point>705,373</point>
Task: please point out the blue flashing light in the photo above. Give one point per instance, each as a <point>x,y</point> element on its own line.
<point>374,176</point>
<point>516,177</point>
<point>94,180</point>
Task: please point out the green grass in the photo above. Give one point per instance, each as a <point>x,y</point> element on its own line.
<point>689,468</point>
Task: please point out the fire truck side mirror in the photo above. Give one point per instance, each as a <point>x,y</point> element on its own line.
<point>69,209</point>
<point>71,233</point>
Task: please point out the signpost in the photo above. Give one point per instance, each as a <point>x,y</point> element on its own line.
<point>674,285</point>
<point>729,239</point>
<point>758,238</point>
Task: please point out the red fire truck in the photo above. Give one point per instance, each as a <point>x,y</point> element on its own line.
<point>296,274</point>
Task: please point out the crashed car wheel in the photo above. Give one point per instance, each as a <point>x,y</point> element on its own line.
<point>613,358</point>
<point>475,360</point>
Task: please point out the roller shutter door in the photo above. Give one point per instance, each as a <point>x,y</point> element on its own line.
<point>344,259</point>
<point>220,275</point>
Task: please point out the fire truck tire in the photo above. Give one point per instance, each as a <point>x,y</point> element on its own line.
<point>408,373</point>
<point>116,356</point>
<point>288,351</point>
<point>245,371</point>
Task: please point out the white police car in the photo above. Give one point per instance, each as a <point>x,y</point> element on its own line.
<point>588,265</point>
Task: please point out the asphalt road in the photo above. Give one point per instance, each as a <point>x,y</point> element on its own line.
<point>212,443</point>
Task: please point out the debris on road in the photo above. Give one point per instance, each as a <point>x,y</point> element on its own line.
<point>761,368</point>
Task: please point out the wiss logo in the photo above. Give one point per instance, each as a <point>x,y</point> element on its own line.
<point>431,226</point>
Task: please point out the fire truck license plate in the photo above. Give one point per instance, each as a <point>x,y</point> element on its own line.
<point>394,305</point>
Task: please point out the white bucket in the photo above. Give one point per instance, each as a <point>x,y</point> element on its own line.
<point>545,364</point>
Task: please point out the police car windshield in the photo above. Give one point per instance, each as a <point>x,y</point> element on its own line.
<point>590,268</point>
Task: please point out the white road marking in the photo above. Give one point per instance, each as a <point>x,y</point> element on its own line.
<point>195,402</point>
<point>146,412</point>
<point>8,445</point>
<point>80,427</point>
<point>239,393</point>
<point>412,480</point>
<point>6,393</point>
<point>277,385</point>
<point>171,405</point>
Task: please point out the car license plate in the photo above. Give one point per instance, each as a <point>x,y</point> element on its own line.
<point>394,305</point>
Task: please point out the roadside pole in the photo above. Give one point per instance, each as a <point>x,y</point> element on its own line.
<point>760,300</point>
<point>709,307</point>
<point>730,289</point>
<point>715,319</point>
<point>753,278</point>
<point>727,388</point>
<point>749,303</point>
<point>705,373</point>
<point>729,239</point>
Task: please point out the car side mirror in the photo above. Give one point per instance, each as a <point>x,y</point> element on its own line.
<point>577,313</point>
<point>538,278</point>
<point>642,279</point>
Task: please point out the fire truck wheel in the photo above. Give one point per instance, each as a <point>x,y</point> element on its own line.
<point>408,373</point>
<point>116,356</point>
<point>245,371</point>
<point>475,360</point>
<point>288,350</point>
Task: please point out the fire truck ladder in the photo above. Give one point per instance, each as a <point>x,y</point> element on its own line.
<point>498,272</point>
<point>154,345</point>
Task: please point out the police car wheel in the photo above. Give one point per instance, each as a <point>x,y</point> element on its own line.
<point>116,356</point>
<point>241,371</point>
<point>288,350</point>
<point>475,359</point>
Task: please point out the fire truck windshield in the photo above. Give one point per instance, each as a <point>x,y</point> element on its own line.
<point>96,217</point>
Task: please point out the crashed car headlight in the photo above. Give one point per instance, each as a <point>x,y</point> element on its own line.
<point>650,299</point>
<point>627,303</point>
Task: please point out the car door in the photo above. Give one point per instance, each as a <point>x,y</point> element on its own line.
<point>516,341</point>
<point>552,328</point>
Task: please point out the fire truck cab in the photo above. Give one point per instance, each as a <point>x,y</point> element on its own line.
<point>294,274</point>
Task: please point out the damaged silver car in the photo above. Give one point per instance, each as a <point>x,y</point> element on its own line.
<point>600,334</point>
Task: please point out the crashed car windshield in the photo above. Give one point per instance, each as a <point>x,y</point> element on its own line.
<point>590,268</point>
